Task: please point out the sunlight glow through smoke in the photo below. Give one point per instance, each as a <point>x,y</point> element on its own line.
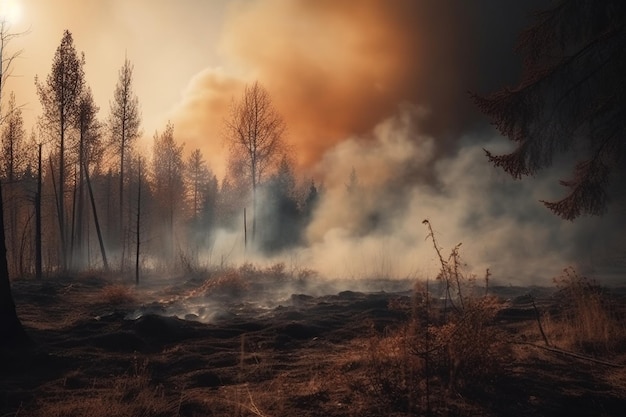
<point>10,11</point>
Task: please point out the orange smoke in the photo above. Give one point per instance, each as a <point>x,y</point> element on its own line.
<point>333,69</point>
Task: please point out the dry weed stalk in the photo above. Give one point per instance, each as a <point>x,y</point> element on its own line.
<point>465,344</point>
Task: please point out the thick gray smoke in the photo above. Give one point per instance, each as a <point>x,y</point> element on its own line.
<point>375,229</point>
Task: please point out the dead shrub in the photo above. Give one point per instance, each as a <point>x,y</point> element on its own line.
<point>468,346</point>
<point>465,343</point>
<point>447,342</point>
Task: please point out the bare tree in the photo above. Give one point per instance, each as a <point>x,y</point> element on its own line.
<point>38,252</point>
<point>124,123</point>
<point>138,220</point>
<point>59,97</point>
<point>13,138</point>
<point>14,162</point>
<point>571,97</point>
<point>11,329</point>
<point>6,60</point>
<point>255,132</point>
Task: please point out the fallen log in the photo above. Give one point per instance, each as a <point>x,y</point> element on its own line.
<point>573,355</point>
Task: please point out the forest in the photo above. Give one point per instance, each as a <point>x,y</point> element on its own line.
<point>79,196</point>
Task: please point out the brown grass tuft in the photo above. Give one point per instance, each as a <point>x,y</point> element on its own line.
<point>585,319</point>
<point>129,394</point>
<point>117,294</point>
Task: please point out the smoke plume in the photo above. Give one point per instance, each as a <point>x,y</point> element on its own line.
<point>376,229</point>
<point>336,69</point>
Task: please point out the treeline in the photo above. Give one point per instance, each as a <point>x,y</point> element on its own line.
<point>78,195</point>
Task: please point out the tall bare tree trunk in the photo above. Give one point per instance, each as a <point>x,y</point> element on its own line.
<point>122,237</point>
<point>38,219</point>
<point>61,197</point>
<point>253,213</point>
<point>71,261</point>
<point>56,197</point>
<point>138,237</point>
<point>95,219</point>
<point>80,206</point>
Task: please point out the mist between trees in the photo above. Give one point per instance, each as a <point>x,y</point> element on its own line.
<point>101,204</point>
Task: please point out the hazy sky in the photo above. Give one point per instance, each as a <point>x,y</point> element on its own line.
<point>169,42</point>
<point>334,68</point>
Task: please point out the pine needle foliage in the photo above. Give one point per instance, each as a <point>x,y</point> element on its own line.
<point>571,97</point>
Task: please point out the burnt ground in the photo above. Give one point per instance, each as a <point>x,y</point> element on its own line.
<point>209,348</point>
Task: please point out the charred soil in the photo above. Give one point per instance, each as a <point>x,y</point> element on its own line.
<point>204,347</point>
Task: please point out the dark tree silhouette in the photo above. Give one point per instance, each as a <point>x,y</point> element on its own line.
<point>89,150</point>
<point>197,175</point>
<point>11,330</point>
<point>571,97</point>
<point>59,97</point>
<point>14,159</point>
<point>168,170</point>
<point>202,187</point>
<point>280,213</point>
<point>13,164</point>
<point>124,123</point>
<point>310,202</point>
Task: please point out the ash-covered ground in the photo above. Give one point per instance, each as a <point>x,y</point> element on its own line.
<point>272,346</point>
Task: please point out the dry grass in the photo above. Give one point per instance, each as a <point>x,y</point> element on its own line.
<point>413,370</point>
<point>234,281</point>
<point>129,394</point>
<point>452,344</point>
<point>117,294</point>
<point>586,320</point>
<point>394,376</point>
<point>469,347</point>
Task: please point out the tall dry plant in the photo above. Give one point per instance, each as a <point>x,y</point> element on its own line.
<point>463,343</point>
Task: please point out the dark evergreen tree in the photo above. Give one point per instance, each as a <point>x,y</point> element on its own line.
<point>168,184</point>
<point>310,202</point>
<point>280,217</point>
<point>571,97</point>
